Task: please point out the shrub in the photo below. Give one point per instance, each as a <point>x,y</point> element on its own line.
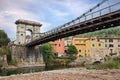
<point>72,50</point>
<point>48,53</point>
<point>13,62</point>
<point>109,64</point>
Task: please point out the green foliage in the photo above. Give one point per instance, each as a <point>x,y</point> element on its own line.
<point>9,58</point>
<point>48,53</point>
<point>111,32</point>
<point>1,63</point>
<point>72,50</point>
<point>4,40</point>
<point>67,59</point>
<point>109,64</point>
<point>13,62</point>
<point>4,50</point>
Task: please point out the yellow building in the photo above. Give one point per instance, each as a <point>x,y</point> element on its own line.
<point>80,44</point>
<point>89,47</point>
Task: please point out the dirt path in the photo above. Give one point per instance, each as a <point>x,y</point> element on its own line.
<point>68,74</point>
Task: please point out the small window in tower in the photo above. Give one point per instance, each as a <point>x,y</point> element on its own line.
<point>21,34</point>
<point>19,43</point>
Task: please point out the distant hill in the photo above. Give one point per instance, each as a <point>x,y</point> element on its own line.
<point>110,32</point>
<point>4,40</point>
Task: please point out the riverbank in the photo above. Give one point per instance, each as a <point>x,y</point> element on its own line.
<point>25,66</point>
<point>68,74</point>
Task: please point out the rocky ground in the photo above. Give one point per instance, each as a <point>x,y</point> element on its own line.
<point>68,74</point>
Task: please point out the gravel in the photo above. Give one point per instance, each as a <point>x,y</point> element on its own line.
<point>68,74</point>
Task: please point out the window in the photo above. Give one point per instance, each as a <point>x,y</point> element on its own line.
<point>111,45</point>
<point>79,50</point>
<point>110,40</point>
<point>111,50</point>
<point>98,40</point>
<point>19,43</point>
<point>118,40</point>
<point>106,45</point>
<point>93,39</point>
<point>118,45</point>
<point>21,34</point>
<point>93,45</point>
<point>65,51</point>
<point>59,45</point>
<point>105,40</point>
<point>99,44</point>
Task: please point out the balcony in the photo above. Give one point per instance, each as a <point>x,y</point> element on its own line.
<point>111,54</point>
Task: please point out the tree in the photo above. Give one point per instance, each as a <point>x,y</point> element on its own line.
<point>48,53</point>
<point>4,51</point>
<point>4,40</point>
<point>72,50</point>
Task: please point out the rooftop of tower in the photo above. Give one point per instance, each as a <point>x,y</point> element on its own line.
<point>28,22</point>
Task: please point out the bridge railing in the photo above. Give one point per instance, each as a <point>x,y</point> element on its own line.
<point>85,17</point>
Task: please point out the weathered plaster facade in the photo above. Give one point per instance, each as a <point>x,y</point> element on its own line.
<point>112,45</point>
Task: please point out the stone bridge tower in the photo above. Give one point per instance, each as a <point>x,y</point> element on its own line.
<point>23,26</point>
<point>23,54</point>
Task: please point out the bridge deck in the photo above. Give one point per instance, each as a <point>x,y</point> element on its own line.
<point>102,22</point>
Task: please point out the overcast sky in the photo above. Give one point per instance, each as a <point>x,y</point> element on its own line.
<point>50,13</point>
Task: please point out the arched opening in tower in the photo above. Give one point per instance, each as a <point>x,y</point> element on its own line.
<point>28,35</point>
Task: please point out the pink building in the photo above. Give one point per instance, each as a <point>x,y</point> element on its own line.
<point>58,46</point>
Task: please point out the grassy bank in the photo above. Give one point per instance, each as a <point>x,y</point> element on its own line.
<point>110,63</point>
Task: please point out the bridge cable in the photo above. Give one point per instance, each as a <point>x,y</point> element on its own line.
<point>98,5</point>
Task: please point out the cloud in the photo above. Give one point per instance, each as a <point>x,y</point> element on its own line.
<point>58,13</point>
<point>45,27</point>
<point>9,14</point>
<point>75,7</point>
<point>48,12</point>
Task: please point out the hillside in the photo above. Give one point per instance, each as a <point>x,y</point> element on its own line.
<point>111,32</point>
